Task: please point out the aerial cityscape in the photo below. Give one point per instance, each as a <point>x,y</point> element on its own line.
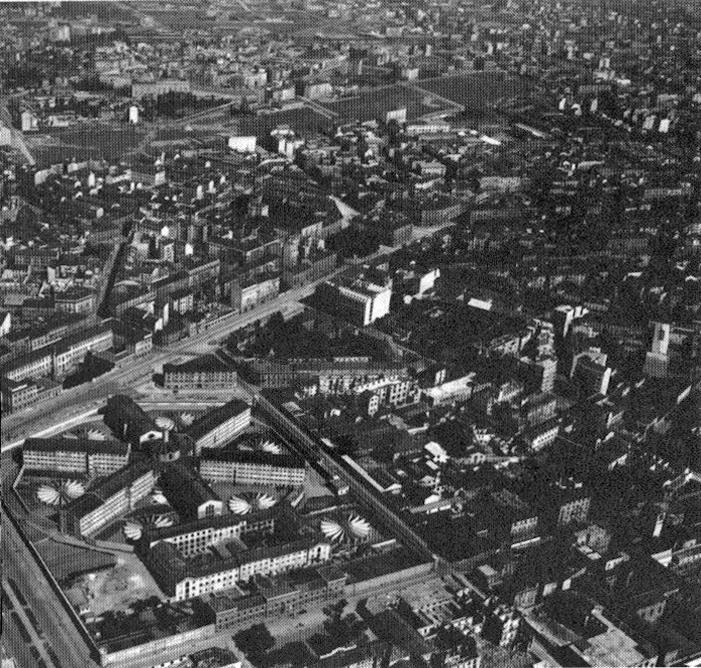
<point>350,334</point>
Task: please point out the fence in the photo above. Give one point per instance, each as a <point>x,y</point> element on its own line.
<point>65,604</point>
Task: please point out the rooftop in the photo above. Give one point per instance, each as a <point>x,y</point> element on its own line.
<point>216,417</point>
<point>63,444</point>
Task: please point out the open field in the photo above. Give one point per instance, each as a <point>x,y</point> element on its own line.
<point>88,141</point>
<point>65,561</point>
<point>301,118</point>
<point>376,103</point>
<point>114,588</point>
<point>474,90</point>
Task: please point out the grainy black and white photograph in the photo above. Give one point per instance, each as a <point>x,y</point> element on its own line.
<point>350,333</point>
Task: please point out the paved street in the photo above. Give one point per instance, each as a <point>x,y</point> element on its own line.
<point>22,627</point>
<point>16,427</point>
<point>125,378</point>
<point>15,637</point>
<point>60,632</point>
<point>72,407</point>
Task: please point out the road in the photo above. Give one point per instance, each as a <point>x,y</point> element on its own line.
<point>61,633</point>
<point>450,104</point>
<point>78,400</point>
<point>127,376</point>
<point>23,626</point>
<point>17,640</point>
<point>13,642</point>
<point>320,109</point>
<point>312,449</point>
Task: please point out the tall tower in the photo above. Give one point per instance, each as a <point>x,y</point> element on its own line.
<point>657,360</point>
<point>660,341</point>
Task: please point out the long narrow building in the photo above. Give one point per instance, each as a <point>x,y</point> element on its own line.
<point>105,502</point>
<point>251,467</point>
<point>58,454</point>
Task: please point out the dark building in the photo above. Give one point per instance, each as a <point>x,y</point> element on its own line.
<point>189,494</point>
<point>130,422</point>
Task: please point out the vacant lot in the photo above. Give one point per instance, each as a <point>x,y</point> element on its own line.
<point>376,103</point>
<point>475,90</point>
<point>89,141</point>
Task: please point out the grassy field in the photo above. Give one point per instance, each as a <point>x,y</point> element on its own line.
<point>474,90</point>
<point>300,119</point>
<point>376,103</point>
<point>89,141</point>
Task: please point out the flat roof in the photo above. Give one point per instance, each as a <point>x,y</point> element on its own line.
<point>63,444</point>
<point>252,457</point>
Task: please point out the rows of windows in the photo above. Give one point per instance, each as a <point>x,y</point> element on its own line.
<point>224,431</point>
<point>252,473</point>
<point>75,461</point>
<point>116,504</point>
<point>225,579</point>
<point>236,616</point>
<point>189,543</point>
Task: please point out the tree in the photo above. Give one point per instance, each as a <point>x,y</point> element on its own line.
<point>276,322</point>
<point>255,641</point>
<point>383,452</point>
<point>347,444</point>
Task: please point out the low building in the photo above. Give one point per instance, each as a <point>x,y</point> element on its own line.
<point>134,339</point>
<point>36,364</point>
<point>573,510</point>
<point>337,376</point>
<point>58,356</point>
<point>207,372</point>
<point>575,631</point>
<point>247,294</point>
<point>440,211</point>
<point>78,300</point>
<point>72,349</point>
<point>279,596</point>
<point>226,564</point>
<point>141,89</point>
<point>309,270</point>
<point>37,337</point>
<point>17,395</point>
<point>130,422</point>
<point>189,494</point>
<point>193,537</point>
<point>391,391</point>
<point>501,625</point>
<point>515,516</point>
<point>539,408</point>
